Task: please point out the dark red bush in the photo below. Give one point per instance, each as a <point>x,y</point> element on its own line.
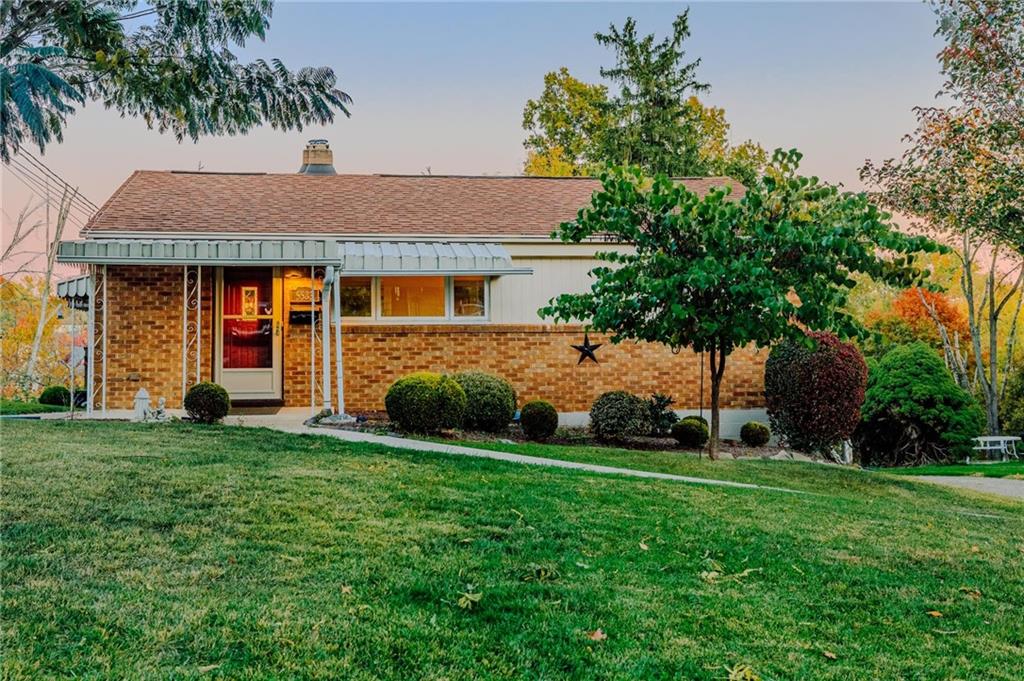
<point>814,393</point>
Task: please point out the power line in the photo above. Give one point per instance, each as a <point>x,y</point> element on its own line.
<point>52,202</point>
<point>43,182</point>
<point>39,188</point>
<point>52,173</point>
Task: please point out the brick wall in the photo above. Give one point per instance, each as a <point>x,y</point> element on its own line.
<point>144,315</point>
<point>144,349</point>
<point>539,362</point>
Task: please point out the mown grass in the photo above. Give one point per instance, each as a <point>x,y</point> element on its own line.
<point>177,551</point>
<point>22,407</point>
<point>1003,469</point>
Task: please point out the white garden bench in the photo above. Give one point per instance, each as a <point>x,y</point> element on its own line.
<point>1006,445</point>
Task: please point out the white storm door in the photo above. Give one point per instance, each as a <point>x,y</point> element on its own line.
<point>249,332</point>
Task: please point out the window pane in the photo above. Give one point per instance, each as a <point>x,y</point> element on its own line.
<point>248,344</point>
<point>356,293</point>
<point>248,291</point>
<point>468,293</point>
<point>412,296</point>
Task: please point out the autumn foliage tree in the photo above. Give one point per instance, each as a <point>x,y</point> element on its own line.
<point>962,175</point>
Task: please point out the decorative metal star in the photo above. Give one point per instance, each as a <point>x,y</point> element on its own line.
<point>587,350</point>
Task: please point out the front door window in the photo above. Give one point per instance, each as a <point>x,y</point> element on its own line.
<point>248,318</point>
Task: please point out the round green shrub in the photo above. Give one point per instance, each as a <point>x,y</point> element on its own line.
<point>538,419</point>
<point>1011,409</point>
<point>754,434</point>
<point>207,402</point>
<point>698,419</point>
<point>814,391</point>
<point>56,395</point>
<point>490,401</point>
<point>619,414</point>
<point>914,412</point>
<point>425,402</point>
<point>690,433</point>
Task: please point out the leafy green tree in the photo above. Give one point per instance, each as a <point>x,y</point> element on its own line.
<point>176,70</point>
<point>654,121</point>
<point>564,125</point>
<point>717,155</point>
<point>715,274</point>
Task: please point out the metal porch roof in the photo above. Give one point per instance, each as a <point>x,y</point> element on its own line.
<point>352,257</point>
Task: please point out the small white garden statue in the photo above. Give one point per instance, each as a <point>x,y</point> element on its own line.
<point>143,412</point>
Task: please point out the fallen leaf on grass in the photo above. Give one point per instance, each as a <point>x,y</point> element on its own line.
<point>971,593</point>
<point>346,589</point>
<point>597,635</point>
<point>643,546</point>
<point>830,655</point>
<point>935,613</point>
<point>743,672</point>
<point>714,576</point>
<point>467,600</point>
<point>207,668</point>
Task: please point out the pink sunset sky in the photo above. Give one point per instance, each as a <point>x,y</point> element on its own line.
<point>443,86</point>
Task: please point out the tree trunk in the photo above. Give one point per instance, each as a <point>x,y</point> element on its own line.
<point>716,361</point>
<point>44,296</point>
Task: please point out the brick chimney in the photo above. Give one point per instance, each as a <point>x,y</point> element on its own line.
<point>317,159</point>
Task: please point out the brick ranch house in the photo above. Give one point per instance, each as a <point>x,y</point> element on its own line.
<point>240,278</point>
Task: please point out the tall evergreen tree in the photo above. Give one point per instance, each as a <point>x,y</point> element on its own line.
<point>653,127</point>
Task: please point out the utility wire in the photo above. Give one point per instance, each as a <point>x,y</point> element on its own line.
<point>53,201</point>
<point>45,182</point>
<point>39,188</point>
<point>57,178</point>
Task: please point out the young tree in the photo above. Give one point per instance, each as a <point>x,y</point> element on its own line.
<point>176,70</point>
<point>714,274</point>
<point>654,120</point>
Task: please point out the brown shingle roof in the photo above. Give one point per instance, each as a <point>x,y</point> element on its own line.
<point>222,203</point>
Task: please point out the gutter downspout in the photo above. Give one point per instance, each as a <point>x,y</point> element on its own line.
<point>325,343</point>
<point>339,376</point>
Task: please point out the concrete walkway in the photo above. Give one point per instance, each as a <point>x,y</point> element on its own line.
<point>289,420</point>
<point>1001,486</point>
<point>442,448</point>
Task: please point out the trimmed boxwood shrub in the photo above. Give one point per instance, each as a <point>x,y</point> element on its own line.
<point>754,434</point>
<point>1011,409</point>
<point>56,395</point>
<point>619,414</point>
<point>690,433</point>
<point>538,419</point>
<point>914,412</point>
<point>814,394</point>
<point>490,401</point>
<point>425,402</point>
<point>698,418</point>
<point>207,402</point>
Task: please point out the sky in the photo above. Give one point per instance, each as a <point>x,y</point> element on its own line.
<point>442,86</point>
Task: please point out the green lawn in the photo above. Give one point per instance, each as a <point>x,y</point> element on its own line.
<point>177,551</point>
<point>19,407</point>
<point>1002,469</point>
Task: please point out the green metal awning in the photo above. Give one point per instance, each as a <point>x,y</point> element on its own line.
<point>352,257</point>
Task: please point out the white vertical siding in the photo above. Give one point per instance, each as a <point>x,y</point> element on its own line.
<point>516,299</point>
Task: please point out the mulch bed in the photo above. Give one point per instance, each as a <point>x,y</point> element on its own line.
<point>379,424</point>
